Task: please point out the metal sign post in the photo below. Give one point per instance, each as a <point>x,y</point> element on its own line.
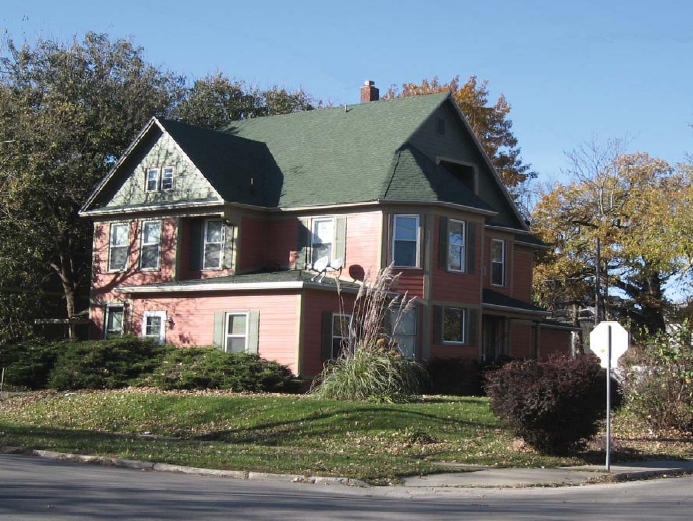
<point>608,403</point>
<point>609,340</point>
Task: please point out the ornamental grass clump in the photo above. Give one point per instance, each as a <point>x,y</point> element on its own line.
<point>371,366</point>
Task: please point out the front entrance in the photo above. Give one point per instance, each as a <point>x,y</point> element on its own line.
<point>494,338</point>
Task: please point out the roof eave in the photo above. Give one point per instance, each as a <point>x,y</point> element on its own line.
<point>230,286</point>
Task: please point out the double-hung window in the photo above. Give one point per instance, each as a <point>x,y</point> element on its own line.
<point>340,333</point>
<point>151,245</point>
<point>454,330</point>
<point>498,262</point>
<point>213,248</point>
<point>113,323</point>
<point>154,325</point>
<point>118,246</point>
<point>322,237</point>
<point>236,332</point>
<point>405,241</point>
<point>167,178</point>
<point>456,246</point>
<point>159,180</point>
<point>403,326</point>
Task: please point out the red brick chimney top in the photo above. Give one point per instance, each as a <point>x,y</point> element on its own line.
<point>369,92</point>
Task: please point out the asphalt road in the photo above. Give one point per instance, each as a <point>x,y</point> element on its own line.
<point>41,489</point>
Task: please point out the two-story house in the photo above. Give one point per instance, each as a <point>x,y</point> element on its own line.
<point>207,237</point>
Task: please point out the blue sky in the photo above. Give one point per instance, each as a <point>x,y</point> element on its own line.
<point>570,70</point>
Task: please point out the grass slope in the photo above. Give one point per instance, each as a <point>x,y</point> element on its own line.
<point>268,433</point>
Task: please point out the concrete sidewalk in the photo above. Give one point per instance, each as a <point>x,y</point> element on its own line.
<point>467,477</point>
<point>491,477</point>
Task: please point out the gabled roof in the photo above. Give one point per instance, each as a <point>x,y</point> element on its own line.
<point>343,155</point>
<point>241,170</point>
<point>339,155</point>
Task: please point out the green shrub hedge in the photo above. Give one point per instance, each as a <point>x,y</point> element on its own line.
<point>28,364</point>
<point>555,405</point>
<point>209,368</point>
<point>105,364</point>
<point>119,362</point>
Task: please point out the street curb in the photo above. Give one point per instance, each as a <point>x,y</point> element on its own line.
<point>183,469</point>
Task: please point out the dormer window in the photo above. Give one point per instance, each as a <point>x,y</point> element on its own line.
<point>159,180</point>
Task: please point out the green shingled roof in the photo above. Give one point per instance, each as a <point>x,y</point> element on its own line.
<point>343,154</point>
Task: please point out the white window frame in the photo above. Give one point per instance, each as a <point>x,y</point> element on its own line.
<point>417,240</point>
<point>495,262</point>
<point>150,244</point>
<point>343,336</point>
<point>221,243</point>
<point>167,174</point>
<point>161,315</point>
<point>462,313</point>
<point>148,177</point>
<point>314,235</point>
<point>108,313</point>
<point>228,336</point>
<point>461,248</point>
<point>401,335</point>
<point>112,247</point>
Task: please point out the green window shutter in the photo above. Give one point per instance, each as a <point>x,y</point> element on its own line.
<point>228,246</point>
<point>471,247</point>
<point>472,315</point>
<point>253,331</point>
<point>340,239</point>
<point>195,245</point>
<point>326,335</point>
<point>303,243</point>
<point>438,324</point>
<point>443,244</point>
<point>219,326</point>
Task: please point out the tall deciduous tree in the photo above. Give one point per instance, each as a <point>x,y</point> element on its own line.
<point>215,100</point>
<point>630,203</point>
<point>490,123</point>
<point>66,112</point>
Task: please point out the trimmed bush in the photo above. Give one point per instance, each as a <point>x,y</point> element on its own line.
<point>370,374</point>
<point>105,364</point>
<point>29,364</point>
<point>554,405</point>
<point>209,368</point>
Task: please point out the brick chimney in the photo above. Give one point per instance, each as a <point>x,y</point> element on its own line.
<point>369,92</point>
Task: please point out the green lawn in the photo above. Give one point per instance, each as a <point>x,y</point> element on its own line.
<point>268,433</point>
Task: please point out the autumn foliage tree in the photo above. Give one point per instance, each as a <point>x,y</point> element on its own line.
<point>490,123</point>
<point>631,203</point>
<point>66,112</point>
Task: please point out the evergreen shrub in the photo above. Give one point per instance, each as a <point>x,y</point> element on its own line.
<point>209,368</point>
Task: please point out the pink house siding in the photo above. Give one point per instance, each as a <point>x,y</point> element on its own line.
<point>281,238</point>
<point>190,321</point>
<point>315,303</point>
<point>252,244</point>
<point>522,279</point>
<point>362,244</point>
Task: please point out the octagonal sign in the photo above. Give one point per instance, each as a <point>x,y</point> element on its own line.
<point>599,342</point>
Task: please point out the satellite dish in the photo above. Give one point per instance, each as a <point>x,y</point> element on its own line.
<point>320,264</point>
<point>337,264</point>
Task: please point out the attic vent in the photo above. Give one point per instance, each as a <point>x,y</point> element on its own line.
<point>441,126</point>
<point>464,173</point>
